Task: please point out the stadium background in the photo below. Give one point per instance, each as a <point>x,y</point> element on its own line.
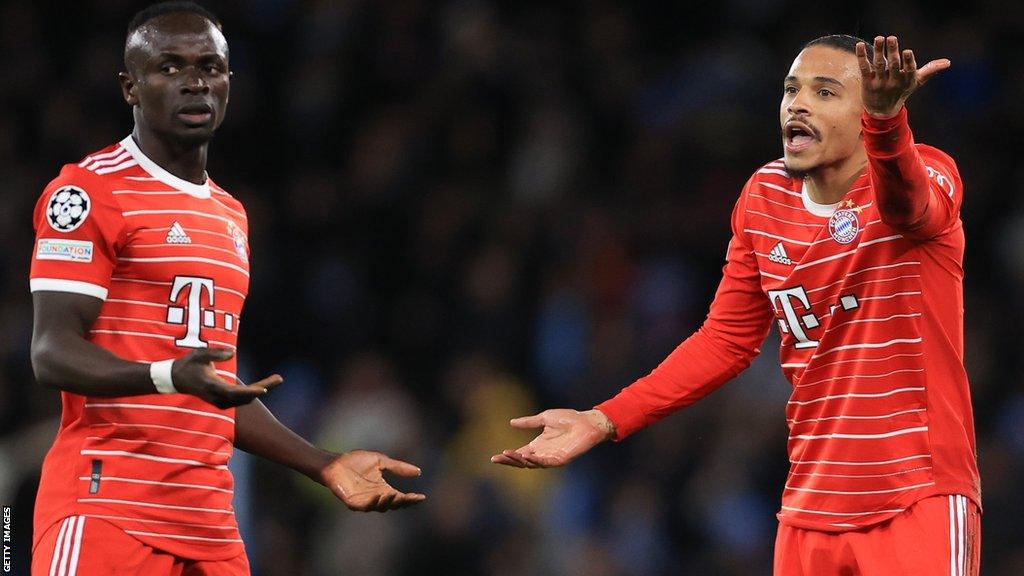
<point>464,211</point>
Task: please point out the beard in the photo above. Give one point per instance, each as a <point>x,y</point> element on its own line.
<point>797,173</point>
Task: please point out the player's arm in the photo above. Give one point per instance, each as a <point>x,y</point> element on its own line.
<point>63,358</point>
<point>918,200</point>
<point>724,346</point>
<point>355,477</point>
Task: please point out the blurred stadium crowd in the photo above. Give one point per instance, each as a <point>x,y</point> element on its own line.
<point>464,211</point>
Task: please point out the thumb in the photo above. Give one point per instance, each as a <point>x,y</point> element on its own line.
<point>207,355</point>
<point>526,422</point>
<point>931,69</point>
<point>399,467</point>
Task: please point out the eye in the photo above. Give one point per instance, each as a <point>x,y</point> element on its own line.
<point>169,69</point>
<point>212,69</point>
<point>789,90</point>
<point>825,93</point>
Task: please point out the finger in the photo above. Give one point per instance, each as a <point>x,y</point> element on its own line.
<point>404,500</point>
<point>878,58</point>
<point>535,421</point>
<point>399,467</point>
<point>862,59</point>
<point>268,383</point>
<point>539,461</point>
<point>230,395</point>
<point>502,459</point>
<point>517,457</point>
<point>931,69</point>
<point>384,502</point>
<point>892,55</point>
<point>207,355</point>
<point>907,62</point>
<point>528,456</point>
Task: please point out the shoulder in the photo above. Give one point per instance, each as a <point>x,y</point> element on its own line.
<point>933,154</point>
<point>772,178</point>
<point>772,173</point>
<point>93,173</point>
<point>225,198</point>
<point>229,202</point>
<point>79,191</point>
<point>941,168</point>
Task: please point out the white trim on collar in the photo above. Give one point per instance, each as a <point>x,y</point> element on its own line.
<point>823,210</point>
<point>156,171</point>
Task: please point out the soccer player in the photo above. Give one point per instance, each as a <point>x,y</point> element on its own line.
<point>851,244</point>
<point>140,270</point>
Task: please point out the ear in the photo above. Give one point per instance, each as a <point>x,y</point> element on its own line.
<point>128,88</point>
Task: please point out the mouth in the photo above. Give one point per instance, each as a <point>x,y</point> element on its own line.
<point>199,114</point>
<point>798,136</point>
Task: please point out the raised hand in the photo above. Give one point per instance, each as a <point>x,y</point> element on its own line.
<point>195,374</point>
<point>891,76</point>
<point>356,479</point>
<point>567,434</point>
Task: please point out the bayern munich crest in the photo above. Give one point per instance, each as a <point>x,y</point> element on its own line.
<point>238,237</point>
<point>844,225</point>
<point>68,208</point>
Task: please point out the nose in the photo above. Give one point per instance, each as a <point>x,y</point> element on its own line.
<point>194,83</point>
<point>798,105</point>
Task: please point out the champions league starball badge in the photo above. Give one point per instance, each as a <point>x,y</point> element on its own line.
<point>844,225</point>
<point>68,208</point>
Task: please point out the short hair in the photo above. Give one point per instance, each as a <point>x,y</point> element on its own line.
<point>172,7</point>
<point>843,42</point>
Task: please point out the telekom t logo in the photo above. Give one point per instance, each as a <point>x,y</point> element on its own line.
<point>798,322</point>
<point>795,323</point>
<point>193,313</point>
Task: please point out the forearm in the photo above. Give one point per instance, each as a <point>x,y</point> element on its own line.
<point>258,432</point>
<point>71,363</point>
<point>693,370</point>
<point>897,172</point>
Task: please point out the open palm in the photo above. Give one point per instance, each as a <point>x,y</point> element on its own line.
<point>567,434</point>
<point>357,479</point>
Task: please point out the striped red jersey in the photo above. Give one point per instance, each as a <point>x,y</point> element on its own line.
<point>871,319</point>
<point>169,259</point>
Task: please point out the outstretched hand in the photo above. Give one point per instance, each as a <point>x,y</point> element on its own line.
<point>891,76</point>
<point>195,374</point>
<point>356,479</point>
<point>567,434</point>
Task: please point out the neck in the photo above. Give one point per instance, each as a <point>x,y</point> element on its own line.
<point>186,161</point>
<point>828,184</point>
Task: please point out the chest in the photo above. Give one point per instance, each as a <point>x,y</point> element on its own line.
<point>188,254</point>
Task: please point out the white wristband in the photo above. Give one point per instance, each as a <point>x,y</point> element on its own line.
<point>160,372</point>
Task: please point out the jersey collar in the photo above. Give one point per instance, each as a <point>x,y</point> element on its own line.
<point>154,170</point>
<point>823,210</point>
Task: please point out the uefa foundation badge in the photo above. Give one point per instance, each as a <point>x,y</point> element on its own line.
<point>844,224</point>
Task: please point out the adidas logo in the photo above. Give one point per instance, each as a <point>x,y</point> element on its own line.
<point>779,256</point>
<point>177,235</point>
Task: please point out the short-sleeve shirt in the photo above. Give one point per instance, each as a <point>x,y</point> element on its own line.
<point>169,259</point>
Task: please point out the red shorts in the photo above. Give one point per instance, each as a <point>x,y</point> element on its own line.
<point>80,546</point>
<point>937,536</point>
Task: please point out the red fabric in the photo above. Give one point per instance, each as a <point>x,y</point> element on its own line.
<point>161,458</point>
<point>937,536</point>
<point>82,546</point>
<point>864,300</point>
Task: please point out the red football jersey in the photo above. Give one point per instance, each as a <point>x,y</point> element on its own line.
<point>169,259</point>
<point>871,319</point>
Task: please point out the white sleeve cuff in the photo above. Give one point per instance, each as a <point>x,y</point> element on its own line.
<point>73,286</point>
<point>160,373</point>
